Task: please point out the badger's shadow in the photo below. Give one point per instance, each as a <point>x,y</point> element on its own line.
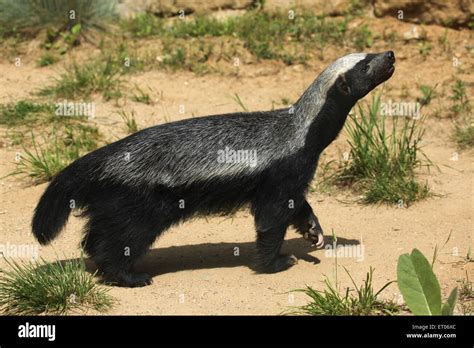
<point>216,255</point>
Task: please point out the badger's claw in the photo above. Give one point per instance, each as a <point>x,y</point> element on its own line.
<point>314,232</point>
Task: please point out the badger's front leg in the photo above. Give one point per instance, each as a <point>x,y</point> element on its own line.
<point>307,224</point>
<point>269,243</point>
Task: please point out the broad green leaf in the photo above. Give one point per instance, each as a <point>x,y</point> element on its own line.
<point>418,284</point>
<point>76,28</point>
<point>448,307</point>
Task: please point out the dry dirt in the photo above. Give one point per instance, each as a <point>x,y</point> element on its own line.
<point>206,266</point>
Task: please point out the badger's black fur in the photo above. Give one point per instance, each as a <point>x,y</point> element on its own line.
<point>136,188</point>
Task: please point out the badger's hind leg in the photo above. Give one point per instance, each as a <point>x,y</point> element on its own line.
<point>117,236</point>
<point>115,244</point>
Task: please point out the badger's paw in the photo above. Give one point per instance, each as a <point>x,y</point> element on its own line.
<point>129,279</point>
<point>313,232</point>
<point>281,263</point>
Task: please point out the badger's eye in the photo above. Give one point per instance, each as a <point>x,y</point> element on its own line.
<point>365,68</point>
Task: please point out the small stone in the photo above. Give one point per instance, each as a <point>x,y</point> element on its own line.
<point>412,34</point>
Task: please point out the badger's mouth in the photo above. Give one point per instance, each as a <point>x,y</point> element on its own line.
<point>386,73</point>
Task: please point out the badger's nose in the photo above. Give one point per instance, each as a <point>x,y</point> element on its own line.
<point>390,56</point>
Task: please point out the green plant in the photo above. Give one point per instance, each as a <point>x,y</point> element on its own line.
<point>427,94</point>
<point>55,288</point>
<point>144,25</point>
<point>45,161</point>
<point>363,38</point>
<point>130,122</point>
<point>54,15</point>
<point>357,7</point>
<point>444,41</point>
<point>466,296</point>
<point>459,98</point>
<point>285,101</point>
<point>47,59</point>
<point>24,112</point>
<point>16,137</point>
<point>420,287</point>
<point>438,250</point>
<point>469,257</point>
<point>466,290</point>
<point>239,101</point>
<point>330,301</point>
<point>141,96</point>
<point>69,39</point>
<point>191,55</point>
<point>129,60</point>
<point>382,159</point>
<point>101,76</point>
<point>425,48</point>
<point>174,57</point>
<point>464,132</point>
<point>463,126</point>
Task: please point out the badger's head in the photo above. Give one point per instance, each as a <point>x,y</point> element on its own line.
<point>348,79</point>
<point>321,111</point>
<point>355,75</point>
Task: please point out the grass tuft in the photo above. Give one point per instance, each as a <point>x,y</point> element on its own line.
<point>464,132</point>
<point>466,296</point>
<point>47,59</point>
<point>83,80</point>
<point>330,301</point>
<point>24,112</point>
<point>427,94</point>
<point>383,159</point>
<point>129,120</point>
<point>461,107</point>
<point>57,288</point>
<point>141,96</point>
<point>49,14</point>
<point>60,149</point>
<point>459,98</point>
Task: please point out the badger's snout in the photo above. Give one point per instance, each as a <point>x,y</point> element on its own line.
<point>389,56</point>
<point>384,66</point>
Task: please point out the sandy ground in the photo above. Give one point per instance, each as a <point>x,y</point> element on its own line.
<point>206,266</point>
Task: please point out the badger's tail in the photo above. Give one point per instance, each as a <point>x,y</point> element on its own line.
<point>66,192</point>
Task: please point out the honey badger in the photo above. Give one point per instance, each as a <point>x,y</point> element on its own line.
<point>134,189</point>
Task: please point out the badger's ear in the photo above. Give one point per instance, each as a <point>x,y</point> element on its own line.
<point>342,85</point>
